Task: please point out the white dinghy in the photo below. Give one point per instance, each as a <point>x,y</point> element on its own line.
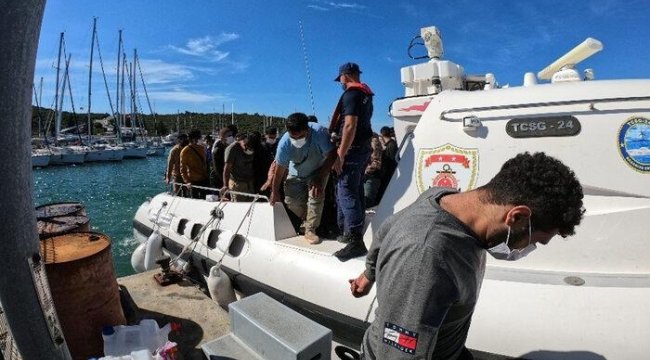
<point>585,297</point>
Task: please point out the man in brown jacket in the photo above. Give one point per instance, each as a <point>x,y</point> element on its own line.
<point>194,166</point>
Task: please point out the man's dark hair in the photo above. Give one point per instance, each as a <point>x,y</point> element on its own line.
<point>544,184</point>
<point>312,118</point>
<point>297,122</point>
<point>271,130</point>
<point>224,131</point>
<point>385,131</point>
<point>194,134</point>
<point>241,136</point>
<point>181,137</point>
<point>255,139</point>
<point>233,129</point>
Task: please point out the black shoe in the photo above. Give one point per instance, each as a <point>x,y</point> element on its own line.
<point>353,249</point>
<point>344,238</point>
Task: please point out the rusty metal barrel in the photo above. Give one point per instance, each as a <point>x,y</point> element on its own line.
<point>82,280</point>
<point>61,218</point>
<point>60,209</point>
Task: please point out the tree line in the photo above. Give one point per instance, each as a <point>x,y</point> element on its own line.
<point>155,125</point>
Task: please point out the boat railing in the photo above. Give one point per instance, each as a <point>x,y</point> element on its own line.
<point>591,102</point>
<point>407,137</point>
<point>177,186</point>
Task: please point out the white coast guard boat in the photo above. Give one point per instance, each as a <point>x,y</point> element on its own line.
<point>586,297</point>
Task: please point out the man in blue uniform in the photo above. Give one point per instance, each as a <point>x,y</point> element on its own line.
<point>351,124</point>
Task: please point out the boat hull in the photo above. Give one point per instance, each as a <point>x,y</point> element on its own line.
<point>135,152</point>
<point>40,160</point>
<point>308,278</point>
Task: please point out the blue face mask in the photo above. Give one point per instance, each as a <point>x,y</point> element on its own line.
<point>503,252</point>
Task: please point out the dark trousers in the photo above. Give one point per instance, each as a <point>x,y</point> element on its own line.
<point>349,191</point>
<point>197,193</point>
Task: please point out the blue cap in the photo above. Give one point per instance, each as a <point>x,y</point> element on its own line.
<point>108,330</point>
<point>348,68</point>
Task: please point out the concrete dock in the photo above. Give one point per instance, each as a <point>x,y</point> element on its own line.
<point>186,303</point>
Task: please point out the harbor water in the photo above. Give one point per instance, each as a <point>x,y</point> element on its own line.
<point>111,193</point>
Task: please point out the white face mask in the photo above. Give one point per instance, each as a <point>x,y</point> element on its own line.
<point>298,142</point>
<point>248,152</point>
<point>503,252</point>
<point>230,140</point>
<point>270,141</point>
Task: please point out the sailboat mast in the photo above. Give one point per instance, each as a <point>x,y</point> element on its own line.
<point>40,99</point>
<point>117,87</point>
<point>90,78</point>
<point>122,104</point>
<point>59,116</point>
<point>146,94</point>
<point>135,105</point>
<point>134,130</point>
<point>57,126</point>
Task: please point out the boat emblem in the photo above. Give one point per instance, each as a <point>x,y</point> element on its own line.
<point>634,143</point>
<point>447,166</point>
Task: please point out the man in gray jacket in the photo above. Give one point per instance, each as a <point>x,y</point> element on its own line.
<point>428,260</point>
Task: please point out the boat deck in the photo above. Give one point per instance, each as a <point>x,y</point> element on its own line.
<point>326,247</point>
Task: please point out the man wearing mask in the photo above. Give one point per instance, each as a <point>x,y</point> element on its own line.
<point>218,155</point>
<point>194,167</point>
<point>305,151</point>
<point>173,173</point>
<point>351,124</point>
<point>238,171</point>
<point>429,259</point>
<point>270,139</point>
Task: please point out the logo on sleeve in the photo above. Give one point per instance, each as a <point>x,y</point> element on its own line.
<point>400,338</point>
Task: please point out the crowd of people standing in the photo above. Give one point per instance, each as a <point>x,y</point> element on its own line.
<point>311,169</point>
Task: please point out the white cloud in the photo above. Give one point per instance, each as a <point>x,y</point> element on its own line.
<point>330,5</point>
<point>317,7</point>
<point>157,71</point>
<point>206,47</point>
<point>393,61</point>
<point>346,5</point>
<point>180,95</point>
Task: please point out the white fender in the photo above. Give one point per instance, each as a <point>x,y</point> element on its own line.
<point>153,250</point>
<point>137,258</point>
<point>220,287</point>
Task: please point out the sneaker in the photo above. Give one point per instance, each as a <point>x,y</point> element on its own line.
<point>311,237</point>
<point>344,238</point>
<point>353,249</point>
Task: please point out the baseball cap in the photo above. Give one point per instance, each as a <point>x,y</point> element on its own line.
<point>348,68</point>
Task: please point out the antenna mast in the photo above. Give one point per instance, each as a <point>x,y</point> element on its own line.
<point>304,51</point>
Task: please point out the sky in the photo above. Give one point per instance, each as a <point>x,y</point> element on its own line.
<point>273,57</point>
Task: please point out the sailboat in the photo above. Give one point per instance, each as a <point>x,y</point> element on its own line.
<point>97,151</point>
<point>63,154</point>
